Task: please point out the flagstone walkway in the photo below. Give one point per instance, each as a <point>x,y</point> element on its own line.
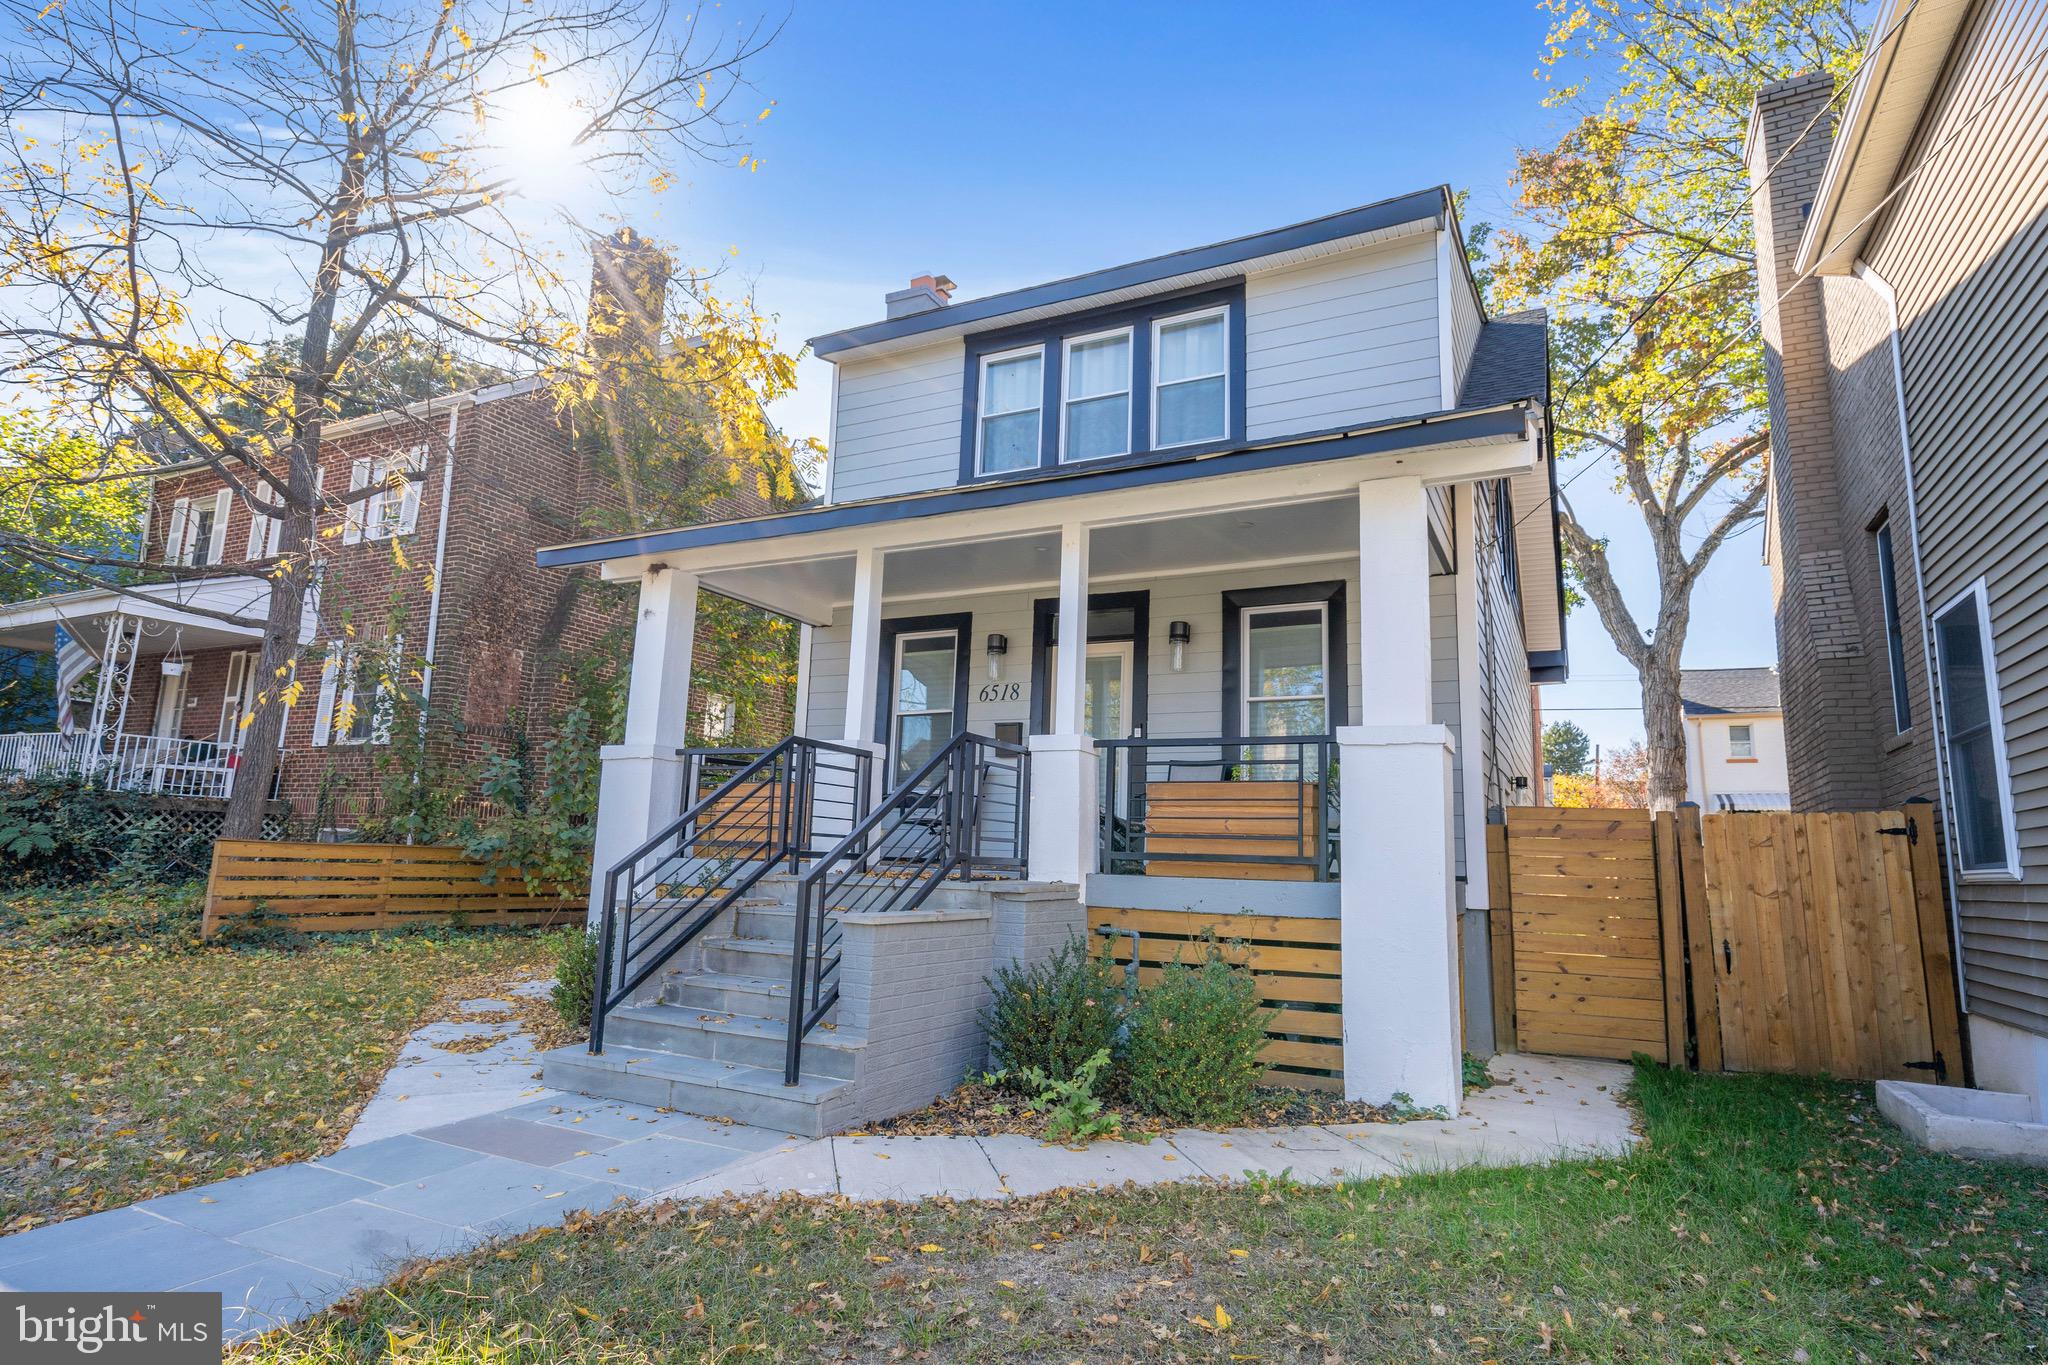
<point>460,1147</point>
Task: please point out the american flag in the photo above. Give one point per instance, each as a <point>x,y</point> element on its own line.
<point>74,661</point>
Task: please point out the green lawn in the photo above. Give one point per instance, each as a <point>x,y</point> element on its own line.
<point>134,1062</point>
<point>1766,1220</point>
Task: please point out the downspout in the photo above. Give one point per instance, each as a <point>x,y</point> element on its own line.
<point>434,596</point>
<point>1885,292</point>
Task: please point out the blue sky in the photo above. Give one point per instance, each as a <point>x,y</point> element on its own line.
<point>1005,145</point>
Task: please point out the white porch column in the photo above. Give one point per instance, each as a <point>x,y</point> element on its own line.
<point>864,665</point>
<point>1398,883</point>
<point>1063,777</point>
<point>641,788</point>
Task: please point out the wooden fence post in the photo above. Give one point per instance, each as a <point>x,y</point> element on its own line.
<point>1671,933</point>
<point>1500,929</point>
<point>1937,954</point>
<point>1699,936</point>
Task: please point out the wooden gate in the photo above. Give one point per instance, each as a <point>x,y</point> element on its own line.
<point>1818,947</point>
<point>1588,948</point>
<point>1754,941</point>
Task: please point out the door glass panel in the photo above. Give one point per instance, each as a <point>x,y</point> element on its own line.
<point>1284,687</point>
<point>923,704</point>
<point>1102,704</point>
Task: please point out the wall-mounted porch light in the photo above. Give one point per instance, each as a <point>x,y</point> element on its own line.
<point>1178,634</point>
<point>998,646</point>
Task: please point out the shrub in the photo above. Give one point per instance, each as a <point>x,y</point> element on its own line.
<point>1072,1112</point>
<point>575,975</point>
<point>1054,1015</point>
<point>1192,1054</point>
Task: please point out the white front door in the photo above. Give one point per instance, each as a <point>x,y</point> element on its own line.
<point>1106,702</point>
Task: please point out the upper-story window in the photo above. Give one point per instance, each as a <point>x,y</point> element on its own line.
<point>1012,410</point>
<point>1164,376</point>
<point>394,509</point>
<point>1097,412</point>
<point>199,529</point>
<point>1741,742</point>
<point>1190,395</point>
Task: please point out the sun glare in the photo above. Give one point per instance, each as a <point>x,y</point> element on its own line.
<point>532,132</point>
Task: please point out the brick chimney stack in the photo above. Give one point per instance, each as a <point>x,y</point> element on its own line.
<point>629,278</point>
<point>925,293</point>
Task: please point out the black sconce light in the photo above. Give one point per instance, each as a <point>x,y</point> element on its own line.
<point>1178,634</point>
<point>998,646</point>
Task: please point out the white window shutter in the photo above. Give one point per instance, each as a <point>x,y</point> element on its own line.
<point>258,524</point>
<point>358,479</point>
<point>330,678</point>
<point>174,541</point>
<point>415,479</point>
<point>217,547</point>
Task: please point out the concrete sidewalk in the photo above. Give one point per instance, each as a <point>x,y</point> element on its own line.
<point>284,1243</point>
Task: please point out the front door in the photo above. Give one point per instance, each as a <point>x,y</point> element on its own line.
<point>1106,701</point>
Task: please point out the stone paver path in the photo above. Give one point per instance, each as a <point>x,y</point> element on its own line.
<point>286,1242</point>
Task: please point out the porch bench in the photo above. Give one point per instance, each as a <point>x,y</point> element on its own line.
<point>1234,819</point>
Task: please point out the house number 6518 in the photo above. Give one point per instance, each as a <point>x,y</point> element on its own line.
<point>1009,691</point>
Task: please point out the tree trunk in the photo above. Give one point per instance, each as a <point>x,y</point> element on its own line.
<point>1664,728</point>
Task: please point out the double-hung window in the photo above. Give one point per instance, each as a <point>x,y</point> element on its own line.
<point>1741,742</point>
<point>1191,378</point>
<point>1012,410</point>
<point>922,712</point>
<point>394,508</point>
<point>1894,637</point>
<point>1974,732</point>
<point>1096,416</point>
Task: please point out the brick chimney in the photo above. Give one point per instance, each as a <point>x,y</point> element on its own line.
<point>628,285</point>
<point>925,293</point>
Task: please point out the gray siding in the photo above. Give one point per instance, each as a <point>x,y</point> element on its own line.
<point>1507,747</point>
<point>898,423</point>
<point>1348,338</point>
<point>1465,324</point>
<point>1443,690</point>
<point>1966,247</point>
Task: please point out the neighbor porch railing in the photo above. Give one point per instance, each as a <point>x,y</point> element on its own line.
<point>1249,809</point>
<point>159,765</point>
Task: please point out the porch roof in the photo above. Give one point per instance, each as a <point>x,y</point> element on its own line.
<point>33,625</point>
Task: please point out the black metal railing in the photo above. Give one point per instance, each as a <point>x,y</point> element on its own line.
<point>745,813</point>
<point>965,812</point>
<point>1218,807</point>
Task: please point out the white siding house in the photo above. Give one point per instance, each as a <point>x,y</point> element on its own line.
<point>1291,494</point>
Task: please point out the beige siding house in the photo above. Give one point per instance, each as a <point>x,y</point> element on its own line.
<point>1904,245</point>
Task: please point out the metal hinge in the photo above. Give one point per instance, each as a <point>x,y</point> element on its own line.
<point>1939,1066</point>
<point>1911,829</point>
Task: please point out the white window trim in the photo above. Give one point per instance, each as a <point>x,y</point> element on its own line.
<point>1748,741</point>
<point>982,413</point>
<point>896,711</point>
<point>1996,709</point>
<point>1067,400</point>
<point>1159,326</point>
<point>338,698</point>
<point>1244,665</point>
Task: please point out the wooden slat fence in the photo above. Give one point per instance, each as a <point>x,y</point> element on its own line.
<point>330,888</point>
<point>1294,959</point>
<point>1236,819</point>
<point>1746,941</point>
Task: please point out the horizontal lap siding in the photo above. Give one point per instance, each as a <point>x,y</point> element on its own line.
<point>898,423</point>
<point>1465,327</point>
<point>1443,688</point>
<point>1966,248</point>
<point>1348,338</point>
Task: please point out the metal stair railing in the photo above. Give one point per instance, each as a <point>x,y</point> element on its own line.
<point>743,818</point>
<point>965,811</point>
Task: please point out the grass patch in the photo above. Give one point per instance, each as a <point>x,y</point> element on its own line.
<point>135,1062</point>
<point>1767,1219</point>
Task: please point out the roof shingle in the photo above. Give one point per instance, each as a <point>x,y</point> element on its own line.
<point>1728,691</point>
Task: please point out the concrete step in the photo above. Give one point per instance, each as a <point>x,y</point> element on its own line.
<point>746,1039</point>
<point>745,956</point>
<point>712,992</point>
<point>814,1107</point>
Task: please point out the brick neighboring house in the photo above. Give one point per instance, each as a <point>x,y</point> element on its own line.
<point>491,475</point>
<point>1904,272</point>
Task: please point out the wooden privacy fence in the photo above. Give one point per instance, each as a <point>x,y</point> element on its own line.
<point>330,888</point>
<point>1746,941</point>
<point>1293,958</point>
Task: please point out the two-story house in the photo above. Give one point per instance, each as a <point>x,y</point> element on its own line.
<point>1904,271</point>
<point>437,571</point>
<point>1216,580</point>
<point>1734,739</point>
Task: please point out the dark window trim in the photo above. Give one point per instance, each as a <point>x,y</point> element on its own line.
<point>1045,611</point>
<point>1894,625</point>
<point>1337,709</point>
<point>1504,532</point>
<point>1051,337</point>
<point>961,623</point>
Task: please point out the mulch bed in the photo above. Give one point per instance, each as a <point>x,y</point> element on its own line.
<point>977,1110</point>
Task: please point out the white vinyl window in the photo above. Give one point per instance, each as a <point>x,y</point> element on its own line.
<point>1095,418</point>
<point>1741,742</point>
<point>1973,734</point>
<point>921,701</point>
<point>1190,378</point>
<point>1285,687</point>
<point>394,509</point>
<point>1012,411</point>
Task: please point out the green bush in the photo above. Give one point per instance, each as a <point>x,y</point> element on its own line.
<point>1192,1053</point>
<point>575,953</point>
<point>1053,1015</point>
<point>1072,1112</point>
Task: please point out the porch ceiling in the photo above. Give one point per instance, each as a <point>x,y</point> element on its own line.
<point>33,625</point>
